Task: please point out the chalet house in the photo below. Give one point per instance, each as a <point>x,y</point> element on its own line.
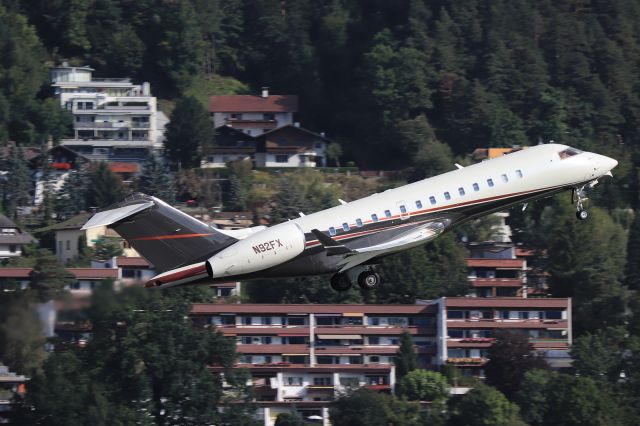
<point>230,145</point>
<point>291,146</point>
<point>12,238</point>
<point>253,115</point>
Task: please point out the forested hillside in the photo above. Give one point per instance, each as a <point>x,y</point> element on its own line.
<point>493,73</point>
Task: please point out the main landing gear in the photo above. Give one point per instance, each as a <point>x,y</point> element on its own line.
<point>578,195</point>
<point>367,279</point>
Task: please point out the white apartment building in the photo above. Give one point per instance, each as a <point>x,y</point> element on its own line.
<point>114,119</point>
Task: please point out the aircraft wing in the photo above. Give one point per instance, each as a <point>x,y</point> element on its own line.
<point>354,257</point>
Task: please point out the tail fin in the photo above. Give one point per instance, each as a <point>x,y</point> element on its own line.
<point>165,236</point>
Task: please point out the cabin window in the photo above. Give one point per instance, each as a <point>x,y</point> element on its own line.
<point>447,196</point>
<point>403,209</point>
<point>505,179</point>
<point>569,152</point>
<point>432,199</point>
<point>490,182</point>
<point>345,226</point>
<point>461,191</point>
<point>418,204</point>
<point>359,222</point>
<point>476,187</point>
<point>332,231</point>
<point>519,173</point>
<point>387,214</point>
<point>374,217</point>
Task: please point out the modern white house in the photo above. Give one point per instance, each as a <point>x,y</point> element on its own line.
<point>253,115</point>
<point>114,119</point>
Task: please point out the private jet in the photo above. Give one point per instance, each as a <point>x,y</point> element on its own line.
<point>349,240</point>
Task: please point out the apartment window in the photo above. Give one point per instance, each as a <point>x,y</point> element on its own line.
<point>293,381</point>
<point>236,116</point>
<point>387,214</point>
<point>374,340</point>
<point>322,381</point>
<point>455,314</point>
<point>432,199</point>
<point>282,158</point>
<point>374,217</point>
<point>359,222</point>
<point>266,340</point>
<point>295,320</point>
<point>355,360</point>
<point>456,334</point>
<point>461,191</point>
<point>418,204</point>
<point>12,248</point>
<point>476,187</point>
<point>504,314</point>
<point>268,359</point>
<point>245,340</point>
<point>374,358</point>
<point>350,381</point>
<point>296,340</point>
<point>447,196</point>
<point>246,320</point>
<point>553,315</point>
<point>523,315</point>
<point>68,245</point>
<point>266,320</point>
<point>374,321</point>
<point>345,226</point>
<point>403,209</point>
<point>268,116</point>
<point>519,173</point>
<point>332,231</point>
<point>490,182</point>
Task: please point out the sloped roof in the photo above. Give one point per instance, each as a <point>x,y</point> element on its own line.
<point>76,222</point>
<point>252,103</point>
<point>5,222</point>
<point>119,167</point>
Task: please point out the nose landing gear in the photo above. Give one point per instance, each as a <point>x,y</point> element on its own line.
<point>578,196</point>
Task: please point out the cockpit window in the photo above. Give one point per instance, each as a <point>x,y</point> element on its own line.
<point>569,152</point>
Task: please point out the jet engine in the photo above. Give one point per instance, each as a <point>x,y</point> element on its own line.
<point>258,251</point>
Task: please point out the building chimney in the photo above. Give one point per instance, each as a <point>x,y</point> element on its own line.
<point>265,92</point>
<point>146,89</point>
<point>296,124</point>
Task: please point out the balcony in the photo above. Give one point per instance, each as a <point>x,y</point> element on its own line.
<point>101,125</point>
<point>467,361</point>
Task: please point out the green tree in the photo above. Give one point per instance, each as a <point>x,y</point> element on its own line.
<point>425,385</point>
<point>241,181</point>
<point>334,152</point>
<point>104,188</point>
<point>106,248</point>
<point>151,331</point>
<point>366,407</point>
<point>601,354</point>
<point>188,133</point>
<point>632,269</point>
<point>21,336</point>
<point>289,419</point>
<point>510,357</point>
<point>406,359</point>
<point>72,197</point>
<point>48,278</point>
<point>484,406</point>
<point>560,399</point>
<point>156,179</point>
<point>18,182</point>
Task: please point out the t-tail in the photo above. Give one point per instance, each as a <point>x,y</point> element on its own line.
<point>168,238</point>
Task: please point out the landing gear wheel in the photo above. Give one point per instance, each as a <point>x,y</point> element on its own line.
<point>368,280</point>
<point>340,282</point>
<point>582,214</point>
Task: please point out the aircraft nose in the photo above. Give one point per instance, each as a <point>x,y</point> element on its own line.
<point>605,164</point>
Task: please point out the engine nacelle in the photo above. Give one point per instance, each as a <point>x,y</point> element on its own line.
<point>258,251</point>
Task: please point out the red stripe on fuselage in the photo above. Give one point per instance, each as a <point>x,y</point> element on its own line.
<point>170,237</point>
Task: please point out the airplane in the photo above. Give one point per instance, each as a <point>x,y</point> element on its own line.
<point>348,240</point>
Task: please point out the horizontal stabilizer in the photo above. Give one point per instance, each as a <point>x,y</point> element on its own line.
<point>332,246</point>
<point>112,216</point>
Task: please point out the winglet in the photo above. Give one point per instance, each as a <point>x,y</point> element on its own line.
<point>332,246</point>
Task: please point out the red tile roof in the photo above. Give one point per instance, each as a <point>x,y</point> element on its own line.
<point>496,263</point>
<point>248,308</point>
<point>15,272</point>
<point>118,167</point>
<point>94,273</point>
<point>505,302</point>
<point>251,103</point>
<point>133,261</point>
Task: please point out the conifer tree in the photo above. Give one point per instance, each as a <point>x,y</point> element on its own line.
<point>156,179</point>
<point>104,187</point>
<point>18,183</point>
<point>72,197</point>
<point>189,132</point>
<point>406,359</point>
